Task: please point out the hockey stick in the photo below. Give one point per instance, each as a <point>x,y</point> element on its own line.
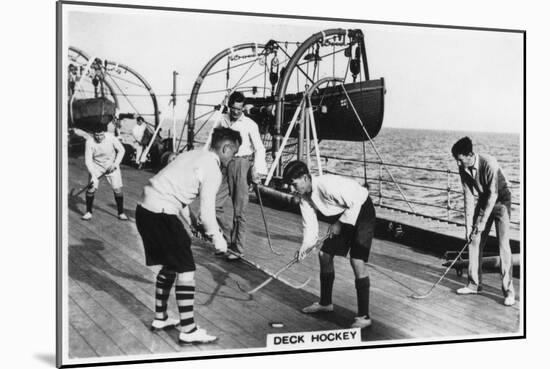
<point>72,194</point>
<point>287,266</point>
<point>270,274</point>
<point>276,276</point>
<point>418,297</point>
<point>265,222</point>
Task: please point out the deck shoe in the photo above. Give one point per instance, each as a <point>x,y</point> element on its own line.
<point>197,336</point>
<point>361,322</point>
<point>162,324</point>
<point>233,256</point>
<point>87,216</point>
<point>466,291</point>
<point>122,216</point>
<point>318,308</point>
<point>510,299</point>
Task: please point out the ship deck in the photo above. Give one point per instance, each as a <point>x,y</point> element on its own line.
<point>111,291</point>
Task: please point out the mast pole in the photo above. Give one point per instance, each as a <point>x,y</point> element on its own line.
<point>173,102</point>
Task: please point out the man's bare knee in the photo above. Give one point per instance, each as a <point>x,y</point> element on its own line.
<point>359,267</point>
<point>186,277</point>
<point>326,262</point>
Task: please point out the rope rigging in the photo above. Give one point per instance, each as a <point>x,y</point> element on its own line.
<point>298,66</point>
<point>234,66</point>
<point>360,122</point>
<point>126,97</point>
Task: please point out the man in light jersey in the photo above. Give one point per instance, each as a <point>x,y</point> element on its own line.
<point>191,175</point>
<point>352,231</point>
<point>103,155</point>
<point>249,163</point>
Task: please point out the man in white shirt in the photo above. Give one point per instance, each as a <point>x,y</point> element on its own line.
<point>352,231</point>
<point>137,133</point>
<point>191,175</point>
<point>103,154</point>
<point>249,163</point>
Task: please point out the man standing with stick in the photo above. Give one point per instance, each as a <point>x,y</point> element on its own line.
<point>352,232</point>
<point>103,155</point>
<point>249,162</point>
<point>193,174</point>
<point>482,175</point>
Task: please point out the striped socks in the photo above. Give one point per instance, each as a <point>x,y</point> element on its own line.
<point>185,297</point>
<point>165,281</point>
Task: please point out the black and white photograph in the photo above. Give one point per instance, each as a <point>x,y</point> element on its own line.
<point>235,184</point>
<point>274,184</point>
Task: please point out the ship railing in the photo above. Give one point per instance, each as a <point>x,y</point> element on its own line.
<point>385,200</point>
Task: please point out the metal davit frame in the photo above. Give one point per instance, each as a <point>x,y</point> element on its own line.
<point>112,84</point>
<point>325,38</point>
<point>256,49</point>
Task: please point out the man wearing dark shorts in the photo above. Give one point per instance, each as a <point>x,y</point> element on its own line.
<point>193,174</point>
<point>351,232</point>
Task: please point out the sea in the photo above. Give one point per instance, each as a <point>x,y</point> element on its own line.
<point>405,150</point>
<point>431,190</point>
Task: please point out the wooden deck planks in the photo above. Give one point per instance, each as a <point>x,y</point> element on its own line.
<point>96,338</point>
<point>135,260</point>
<point>127,343</point>
<point>142,287</point>
<point>124,308</point>
<point>385,284</point>
<point>110,283</point>
<point>78,346</point>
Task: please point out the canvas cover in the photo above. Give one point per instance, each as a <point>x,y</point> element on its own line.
<point>91,114</point>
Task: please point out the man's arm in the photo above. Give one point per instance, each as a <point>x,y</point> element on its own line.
<point>120,151</point>
<point>210,182</point>
<point>468,205</point>
<point>81,133</point>
<point>260,166</point>
<point>310,228</point>
<point>137,134</point>
<point>490,194</point>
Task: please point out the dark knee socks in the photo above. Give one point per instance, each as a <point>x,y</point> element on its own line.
<point>119,198</point>
<point>327,280</point>
<point>89,202</point>
<point>362,286</point>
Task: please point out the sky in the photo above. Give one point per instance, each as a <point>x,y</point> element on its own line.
<point>436,78</point>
